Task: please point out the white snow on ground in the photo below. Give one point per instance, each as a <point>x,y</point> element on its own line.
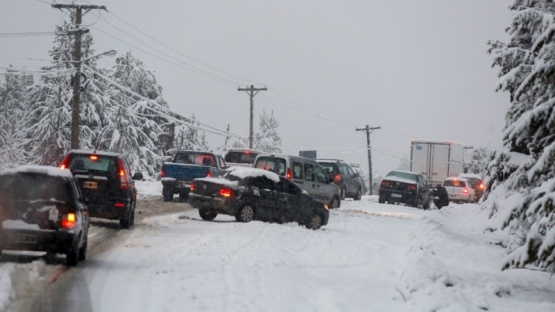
<point>370,257</point>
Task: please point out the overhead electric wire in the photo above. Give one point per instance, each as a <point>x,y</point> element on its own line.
<point>27,34</point>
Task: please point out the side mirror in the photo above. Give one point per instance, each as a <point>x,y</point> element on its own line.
<point>138,176</point>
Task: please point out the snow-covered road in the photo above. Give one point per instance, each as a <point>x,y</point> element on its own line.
<point>370,257</point>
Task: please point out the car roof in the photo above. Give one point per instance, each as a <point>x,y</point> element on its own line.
<point>329,160</point>
<point>96,152</point>
<point>455,178</point>
<point>44,170</point>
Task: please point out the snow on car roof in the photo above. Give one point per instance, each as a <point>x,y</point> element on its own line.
<point>105,153</point>
<point>243,172</point>
<point>46,170</point>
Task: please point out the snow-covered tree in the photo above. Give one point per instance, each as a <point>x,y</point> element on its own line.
<point>14,101</point>
<point>404,163</point>
<point>476,160</point>
<point>189,137</point>
<point>527,73</point>
<point>267,139</point>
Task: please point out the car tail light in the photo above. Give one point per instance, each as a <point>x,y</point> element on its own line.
<point>119,205</point>
<point>337,178</point>
<point>192,186</point>
<point>481,186</point>
<point>226,192</point>
<point>384,183</point>
<point>124,184</point>
<point>64,163</point>
<point>208,173</point>
<point>465,190</point>
<point>162,174</point>
<point>288,175</point>
<point>93,157</point>
<point>411,187</point>
<point>68,220</point>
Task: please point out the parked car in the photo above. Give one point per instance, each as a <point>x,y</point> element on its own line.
<point>241,157</point>
<point>106,183</point>
<point>42,209</point>
<point>350,183</point>
<point>177,175</point>
<point>459,189</point>
<point>255,194</point>
<point>476,183</point>
<point>405,187</point>
<point>356,167</point>
<point>307,173</point>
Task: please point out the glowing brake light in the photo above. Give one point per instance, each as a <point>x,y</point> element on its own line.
<point>122,176</point>
<point>247,152</point>
<point>288,174</point>
<point>162,174</point>
<point>68,220</point>
<point>63,165</point>
<point>465,190</point>
<point>337,178</point>
<point>193,187</point>
<point>481,186</point>
<point>226,192</point>
<point>93,157</point>
<point>119,205</point>
<point>411,187</point>
<point>208,173</point>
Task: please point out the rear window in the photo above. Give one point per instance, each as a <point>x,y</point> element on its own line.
<point>93,162</point>
<point>240,157</point>
<point>454,183</point>
<point>195,159</point>
<point>403,175</point>
<point>328,168</point>
<point>277,165</point>
<point>34,188</point>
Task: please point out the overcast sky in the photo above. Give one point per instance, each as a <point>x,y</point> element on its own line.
<point>417,68</point>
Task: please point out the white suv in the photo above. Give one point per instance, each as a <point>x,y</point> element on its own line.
<point>459,190</point>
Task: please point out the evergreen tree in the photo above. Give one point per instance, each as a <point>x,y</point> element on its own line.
<point>190,138</point>
<point>476,160</point>
<point>267,139</point>
<point>13,103</point>
<point>527,68</point>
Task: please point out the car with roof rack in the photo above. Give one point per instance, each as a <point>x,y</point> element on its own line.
<point>241,157</point>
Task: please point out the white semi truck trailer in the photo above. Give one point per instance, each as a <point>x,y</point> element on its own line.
<point>436,160</point>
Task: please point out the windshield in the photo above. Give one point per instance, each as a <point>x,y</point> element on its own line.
<point>242,157</point>
<point>34,188</point>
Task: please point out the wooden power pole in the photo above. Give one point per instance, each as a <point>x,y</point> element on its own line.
<point>76,98</point>
<point>369,130</point>
<point>251,91</point>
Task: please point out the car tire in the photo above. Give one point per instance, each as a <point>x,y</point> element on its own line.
<point>83,251</point>
<point>127,221</point>
<point>334,203</point>
<point>343,193</point>
<point>245,214</point>
<point>381,200</point>
<point>167,192</point>
<point>314,222</point>
<point>426,205</point>
<point>72,256</point>
<point>358,195</point>
<point>207,215</point>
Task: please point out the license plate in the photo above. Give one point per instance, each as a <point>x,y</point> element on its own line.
<point>90,184</point>
<point>27,238</point>
<point>396,195</point>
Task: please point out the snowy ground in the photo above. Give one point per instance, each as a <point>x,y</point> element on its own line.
<point>370,257</point>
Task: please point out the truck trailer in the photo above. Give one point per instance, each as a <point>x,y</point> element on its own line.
<point>436,160</point>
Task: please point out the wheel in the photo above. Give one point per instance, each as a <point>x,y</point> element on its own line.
<point>314,222</point>
<point>207,215</point>
<point>167,192</point>
<point>426,205</point>
<point>358,196</point>
<point>127,221</point>
<point>72,256</point>
<point>343,194</point>
<point>334,203</point>
<point>381,200</point>
<point>183,195</point>
<point>245,214</point>
<point>83,251</point>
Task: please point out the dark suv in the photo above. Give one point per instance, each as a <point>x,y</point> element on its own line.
<point>106,183</point>
<point>41,209</point>
<point>349,181</point>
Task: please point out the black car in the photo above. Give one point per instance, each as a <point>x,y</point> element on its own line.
<point>405,187</point>
<point>350,183</point>
<point>106,183</point>
<point>42,209</point>
<point>256,194</point>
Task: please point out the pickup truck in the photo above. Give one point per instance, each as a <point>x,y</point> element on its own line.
<point>177,175</point>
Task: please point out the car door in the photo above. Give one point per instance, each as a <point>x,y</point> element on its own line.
<point>288,195</point>
<point>266,205</point>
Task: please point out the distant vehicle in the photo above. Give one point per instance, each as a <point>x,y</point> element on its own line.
<point>254,194</point>
<point>350,183</point>
<point>106,182</point>
<point>42,209</point>
<point>307,173</point>
<point>436,160</point>
<point>356,167</point>
<point>177,176</point>
<point>241,157</point>
<point>405,187</point>
<point>459,190</point>
<point>476,183</point>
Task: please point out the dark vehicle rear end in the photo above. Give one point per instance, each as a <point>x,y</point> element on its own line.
<point>241,157</point>
<point>106,183</point>
<point>41,209</point>
<point>405,187</point>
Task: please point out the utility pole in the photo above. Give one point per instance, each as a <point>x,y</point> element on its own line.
<point>76,98</point>
<point>251,91</point>
<point>369,130</point>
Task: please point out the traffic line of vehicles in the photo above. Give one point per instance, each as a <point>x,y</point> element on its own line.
<point>48,209</point>
<point>252,185</point>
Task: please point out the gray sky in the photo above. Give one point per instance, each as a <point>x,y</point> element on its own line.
<point>417,68</point>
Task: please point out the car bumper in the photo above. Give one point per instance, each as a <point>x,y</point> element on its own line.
<point>393,196</point>
<point>216,204</point>
<point>54,241</point>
